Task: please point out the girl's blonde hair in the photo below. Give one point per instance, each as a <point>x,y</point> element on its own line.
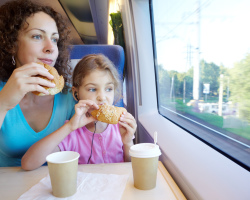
<point>93,62</point>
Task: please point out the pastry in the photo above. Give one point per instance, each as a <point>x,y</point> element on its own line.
<point>108,113</point>
<point>58,81</point>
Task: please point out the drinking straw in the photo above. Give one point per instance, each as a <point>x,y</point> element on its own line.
<point>155,137</point>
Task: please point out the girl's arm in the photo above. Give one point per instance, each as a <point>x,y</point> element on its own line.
<point>37,153</point>
<point>126,148</point>
<point>127,129</point>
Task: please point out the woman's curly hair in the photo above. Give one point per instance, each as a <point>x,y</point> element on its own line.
<point>13,16</point>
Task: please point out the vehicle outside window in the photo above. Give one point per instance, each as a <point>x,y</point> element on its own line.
<point>202,63</point>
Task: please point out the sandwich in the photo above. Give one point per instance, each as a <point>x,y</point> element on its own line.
<point>108,113</point>
<point>58,81</point>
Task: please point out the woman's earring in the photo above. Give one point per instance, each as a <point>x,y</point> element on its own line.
<point>13,61</point>
<point>76,96</point>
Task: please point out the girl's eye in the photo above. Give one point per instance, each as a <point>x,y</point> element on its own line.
<point>37,37</point>
<point>109,89</point>
<point>92,89</point>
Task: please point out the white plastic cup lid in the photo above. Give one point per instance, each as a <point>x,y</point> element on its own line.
<point>62,157</point>
<point>144,150</point>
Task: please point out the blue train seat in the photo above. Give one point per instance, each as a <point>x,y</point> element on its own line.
<point>114,52</point>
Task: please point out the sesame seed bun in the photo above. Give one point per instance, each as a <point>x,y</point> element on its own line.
<point>108,113</point>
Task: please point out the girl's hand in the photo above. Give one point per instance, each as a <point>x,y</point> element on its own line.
<point>81,116</point>
<point>127,128</point>
<point>24,80</point>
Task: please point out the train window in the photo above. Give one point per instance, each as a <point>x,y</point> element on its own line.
<point>202,70</point>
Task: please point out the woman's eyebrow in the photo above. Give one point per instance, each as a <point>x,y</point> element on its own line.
<point>55,33</point>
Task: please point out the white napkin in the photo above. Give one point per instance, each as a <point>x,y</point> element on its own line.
<point>90,186</point>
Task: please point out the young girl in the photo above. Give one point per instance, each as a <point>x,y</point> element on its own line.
<point>95,82</point>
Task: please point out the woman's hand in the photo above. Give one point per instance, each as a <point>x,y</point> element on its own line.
<point>82,116</point>
<point>22,81</point>
<point>127,128</point>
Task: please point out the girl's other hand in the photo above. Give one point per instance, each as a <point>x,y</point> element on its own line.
<point>127,128</point>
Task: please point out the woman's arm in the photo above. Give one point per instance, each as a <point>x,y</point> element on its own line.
<point>37,153</point>
<point>2,115</point>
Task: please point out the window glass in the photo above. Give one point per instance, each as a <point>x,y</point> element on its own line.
<point>202,55</point>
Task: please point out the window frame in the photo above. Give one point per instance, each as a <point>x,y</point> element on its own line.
<point>199,170</point>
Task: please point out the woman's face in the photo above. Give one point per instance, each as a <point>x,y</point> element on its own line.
<point>37,40</point>
<point>98,86</point>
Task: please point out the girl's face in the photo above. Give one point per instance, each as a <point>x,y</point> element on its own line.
<point>98,86</point>
<point>37,41</point>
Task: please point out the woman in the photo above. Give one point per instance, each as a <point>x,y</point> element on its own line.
<point>30,33</point>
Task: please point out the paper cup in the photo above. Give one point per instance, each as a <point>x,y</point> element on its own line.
<point>144,158</point>
<point>63,168</point>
